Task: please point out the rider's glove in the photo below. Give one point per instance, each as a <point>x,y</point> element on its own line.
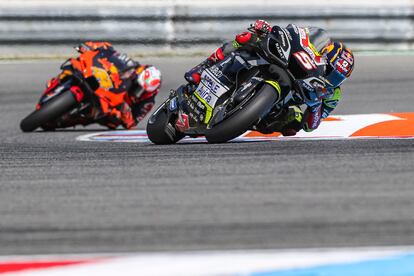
<point>261,27</point>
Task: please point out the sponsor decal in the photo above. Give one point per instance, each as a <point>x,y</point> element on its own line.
<point>197,111</point>
<point>347,56</point>
<point>193,116</point>
<point>317,84</point>
<point>315,89</point>
<point>200,105</point>
<point>302,33</point>
<point>224,62</point>
<point>282,36</point>
<point>173,104</point>
<point>305,60</point>
<point>315,119</point>
<point>204,93</point>
<point>279,50</point>
<point>287,34</point>
<point>286,38</point>
<point>210,83</point>
<point>304,42</point>
<point>103,77</point>
<point>257,79</point>
<point>343,66</point>
<point>210,89</point>
<point>246,85</point>
<point>306,85</point>
<point>197,108</point>
<point>216,71</point>
<point>295,28</point>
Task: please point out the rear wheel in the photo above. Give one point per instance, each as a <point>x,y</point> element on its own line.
<point>49,112</point>
<point>159,129</point>
<point>241,120</point>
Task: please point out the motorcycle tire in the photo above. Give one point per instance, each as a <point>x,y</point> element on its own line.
<point>160,131</point>
<point>241,120</point>
<point>49,112</point>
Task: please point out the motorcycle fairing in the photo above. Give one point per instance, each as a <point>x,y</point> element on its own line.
<point>277,46</point>
<point>209,91</point>
<point>215,82</point>
<point>101,66</point>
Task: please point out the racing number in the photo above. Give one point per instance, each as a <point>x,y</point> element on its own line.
<point>305,60</point>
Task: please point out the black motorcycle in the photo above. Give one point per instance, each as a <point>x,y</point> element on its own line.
<point>247,90</point>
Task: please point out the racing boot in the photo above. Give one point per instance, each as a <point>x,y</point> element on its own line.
<point>287,121</point>
<point>294,121</point>
<point>194,75</point>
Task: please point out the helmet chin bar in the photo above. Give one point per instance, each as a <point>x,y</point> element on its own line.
<point>335,78</point>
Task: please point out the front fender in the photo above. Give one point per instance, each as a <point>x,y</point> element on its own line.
<point>241,95</point>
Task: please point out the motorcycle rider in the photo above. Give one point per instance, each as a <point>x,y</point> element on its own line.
<point>142,82</point>
<point>321,100</point>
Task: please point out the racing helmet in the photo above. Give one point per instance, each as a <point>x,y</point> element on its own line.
<point>340,63</point>
<point>150,79</point>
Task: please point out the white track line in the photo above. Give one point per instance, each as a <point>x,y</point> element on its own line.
<point>220,262</point>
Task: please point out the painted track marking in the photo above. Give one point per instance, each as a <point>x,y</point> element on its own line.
<point>336,261</point>
<point>362,126</point>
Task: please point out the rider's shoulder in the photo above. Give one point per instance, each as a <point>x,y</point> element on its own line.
<point>98,45</point>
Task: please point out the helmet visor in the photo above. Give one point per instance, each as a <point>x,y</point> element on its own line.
<point>335,78</point>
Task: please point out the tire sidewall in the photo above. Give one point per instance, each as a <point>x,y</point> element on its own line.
<point>49,111</point>
<point>243,119</point>
<point>157,128</point>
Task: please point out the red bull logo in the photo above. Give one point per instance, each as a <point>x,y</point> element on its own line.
<point>347,55</point>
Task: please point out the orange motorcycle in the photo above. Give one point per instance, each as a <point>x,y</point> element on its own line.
<point>86,91</point>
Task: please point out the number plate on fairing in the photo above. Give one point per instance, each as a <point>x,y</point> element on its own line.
<point>210,88</point>
<point>205,97</point>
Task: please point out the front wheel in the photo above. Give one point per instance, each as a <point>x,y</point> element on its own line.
<point>159,129</point>
<point>241,120</point>
<point>49,112</point>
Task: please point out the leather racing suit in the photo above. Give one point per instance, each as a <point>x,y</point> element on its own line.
<point>138,101</point>
<point>320,100</point>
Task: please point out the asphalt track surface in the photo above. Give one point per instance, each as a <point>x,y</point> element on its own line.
<point>59,195</point>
